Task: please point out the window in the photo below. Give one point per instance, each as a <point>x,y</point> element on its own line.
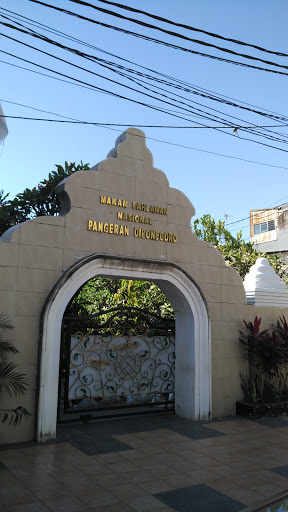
<point>264,226</point>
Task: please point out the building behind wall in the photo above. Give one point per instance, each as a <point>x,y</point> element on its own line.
<point>269,230</point>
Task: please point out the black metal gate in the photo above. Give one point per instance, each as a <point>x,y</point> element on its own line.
<point>116,362</point>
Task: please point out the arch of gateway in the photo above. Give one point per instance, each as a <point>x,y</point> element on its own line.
<point>121,219</point>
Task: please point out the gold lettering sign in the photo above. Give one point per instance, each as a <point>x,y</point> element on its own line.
<point>138,217</point>
<point>146,208</point>
<point>113,201</point>
<point>150,234</point>
<point>108,228</point>
<point>134,218</point>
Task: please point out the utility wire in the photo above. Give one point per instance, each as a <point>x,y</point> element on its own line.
<point>200,150</point>
<point>236,221</point>
<point>101,61</point>
<point>158,41</point>
<point>187,27</point>
<point>90,88</point>
<point>149,95</point>
<point>111,124</point>
<point>206,93</point>
<point>265,208</point>
<point>99,89</point>
<point>176,34</point>
<point>245,128</point>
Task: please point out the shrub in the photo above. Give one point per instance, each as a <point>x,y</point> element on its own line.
<point>12,383</point>
<point>267,354</point>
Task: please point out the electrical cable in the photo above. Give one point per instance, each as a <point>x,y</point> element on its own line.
<point>105,124</point>
<point>230,125</point>
<point>152,78</point>
<point>176,34</point>
<point>99,89</point>
<point>249,129</point>
<point>197,90</point>
<point>265,208</point>
<point>187,27</point>
<point>90,88</point>
<point>158,41</point>
<point>200,150</point>
<point>85,69</point>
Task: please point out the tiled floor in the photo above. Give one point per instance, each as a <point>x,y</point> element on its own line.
<point>146,465</point>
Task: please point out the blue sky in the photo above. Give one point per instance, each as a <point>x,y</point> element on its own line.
<point>214,184</point>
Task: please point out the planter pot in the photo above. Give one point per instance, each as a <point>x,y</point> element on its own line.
<point>256,411</point>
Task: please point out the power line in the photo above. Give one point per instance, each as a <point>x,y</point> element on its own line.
<point>266,207</point>
<point>158,41</point>
<point>94,87</point>
<point>67,36</point>
<point>90,88</point>
<point>236,221</point>
<point>101,61</point>
<point>115,124</point>
<point>135,90</point>
<point>187,27</point>
<point>197,90</point>
<point>192,148</point>
<point>251,128</point>
<point>175,34</point>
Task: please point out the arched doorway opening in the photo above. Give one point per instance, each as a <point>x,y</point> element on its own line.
<point>117,353</point>
<point>192,334</point>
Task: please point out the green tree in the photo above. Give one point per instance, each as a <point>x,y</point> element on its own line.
<point>5,221</point>
<point>38,201</point>
<point>12,383</point>
<point>102,294</point>
<point>237,253</point>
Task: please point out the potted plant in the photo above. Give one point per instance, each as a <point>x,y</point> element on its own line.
<point>265,384</point>
<point>12,383</point>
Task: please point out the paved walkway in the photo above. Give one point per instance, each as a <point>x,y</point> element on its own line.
<point>148,464</point>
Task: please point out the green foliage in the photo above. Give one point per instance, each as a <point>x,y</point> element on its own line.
<point>262,390</point>
<point>267,355</point>
<point>236,252</point>
<point>101,293</point>
<point>282,328</point>
<point>38,201</point>
<point>266,351</point>
<point>5,222</point>
<point>12,383</point>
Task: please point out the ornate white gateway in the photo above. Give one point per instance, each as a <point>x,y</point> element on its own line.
<point>192,340</point>
<point>121,219</point>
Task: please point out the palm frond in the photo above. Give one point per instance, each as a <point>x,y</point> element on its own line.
<point>7,348</point>
<point>14,416</point>
<point>5,323</point>
<point>11,382</point>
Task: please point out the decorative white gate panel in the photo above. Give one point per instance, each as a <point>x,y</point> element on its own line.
<point>119,363</point>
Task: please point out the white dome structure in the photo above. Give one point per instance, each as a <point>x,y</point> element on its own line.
<point>3,126</point>
<point>263,286</point>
